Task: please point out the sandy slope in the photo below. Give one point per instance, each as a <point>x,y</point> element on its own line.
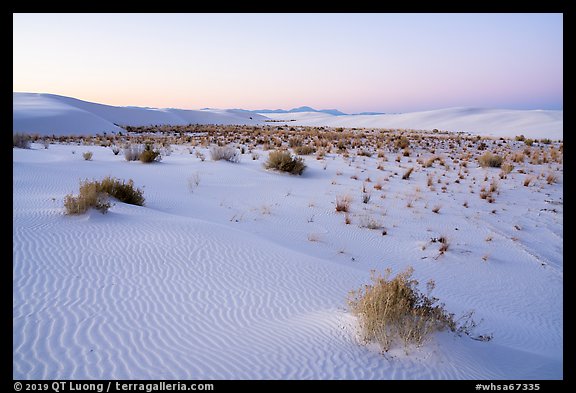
<point>495,122</point>
<point>245,276</point>
<point>48,114</point>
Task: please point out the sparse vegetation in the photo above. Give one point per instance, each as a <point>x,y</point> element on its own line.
<point>87,155</point>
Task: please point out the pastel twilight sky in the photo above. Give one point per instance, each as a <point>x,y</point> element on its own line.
<point>352,62</point>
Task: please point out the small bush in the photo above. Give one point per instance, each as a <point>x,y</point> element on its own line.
<point>87,155</point>
<point>95,194</point>
<point>401,143</point>
<point>227,153</point>
<point>115,149</point>
<point>304,150</point>
<point>507,167</point>
<point>149,155</point>
<point>133,152</point>
<point>490,160</point>
<point>90,196</point>
<point>20,140</point>
<point>284,162</point>
<point>393,310</point>
<point>123,191</point>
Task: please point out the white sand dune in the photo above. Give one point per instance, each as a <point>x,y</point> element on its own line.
<point>225,283</point>
<point>48,114</point>
<point>493,122</point>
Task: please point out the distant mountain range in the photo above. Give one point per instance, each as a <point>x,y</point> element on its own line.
<point>50,114</point>
<point>334,112</point>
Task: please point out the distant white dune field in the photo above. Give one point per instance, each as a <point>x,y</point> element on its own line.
<point>488,122</point>
<point>48,114</point>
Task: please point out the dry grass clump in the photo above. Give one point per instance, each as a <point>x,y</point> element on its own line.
<point>407,174</point>
<point>284,162</point>
<point>95,194</point>
<point>506,167</point>
<point>87,155</point>
<point>551,178</point>
<point>490,160</point>
<point>369,222</point>
<point>227,153</point>
<point>444,244</point>
<point>393,310</point>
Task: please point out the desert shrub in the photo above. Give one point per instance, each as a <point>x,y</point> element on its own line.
<point>343,203</point>
<point>133,152</point>
<point>369,222</point>
<point>520,138</point>
<point>122,190</point>
<point>546,141</point>
<point>304,150</point>
<point>149,155</point>
<point>393,310</point>
<point>200,155</point>
<point>284,162</point>
<point>507,167</point>
<point>401,143</point>
<point>87,155</point>
<point>20,140</point>
<point>529,142</point>
<point>90,196</point>
<point>227,153</point>
<point>96,193</point>
<point>490,160</point>
<point>115,149</point>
